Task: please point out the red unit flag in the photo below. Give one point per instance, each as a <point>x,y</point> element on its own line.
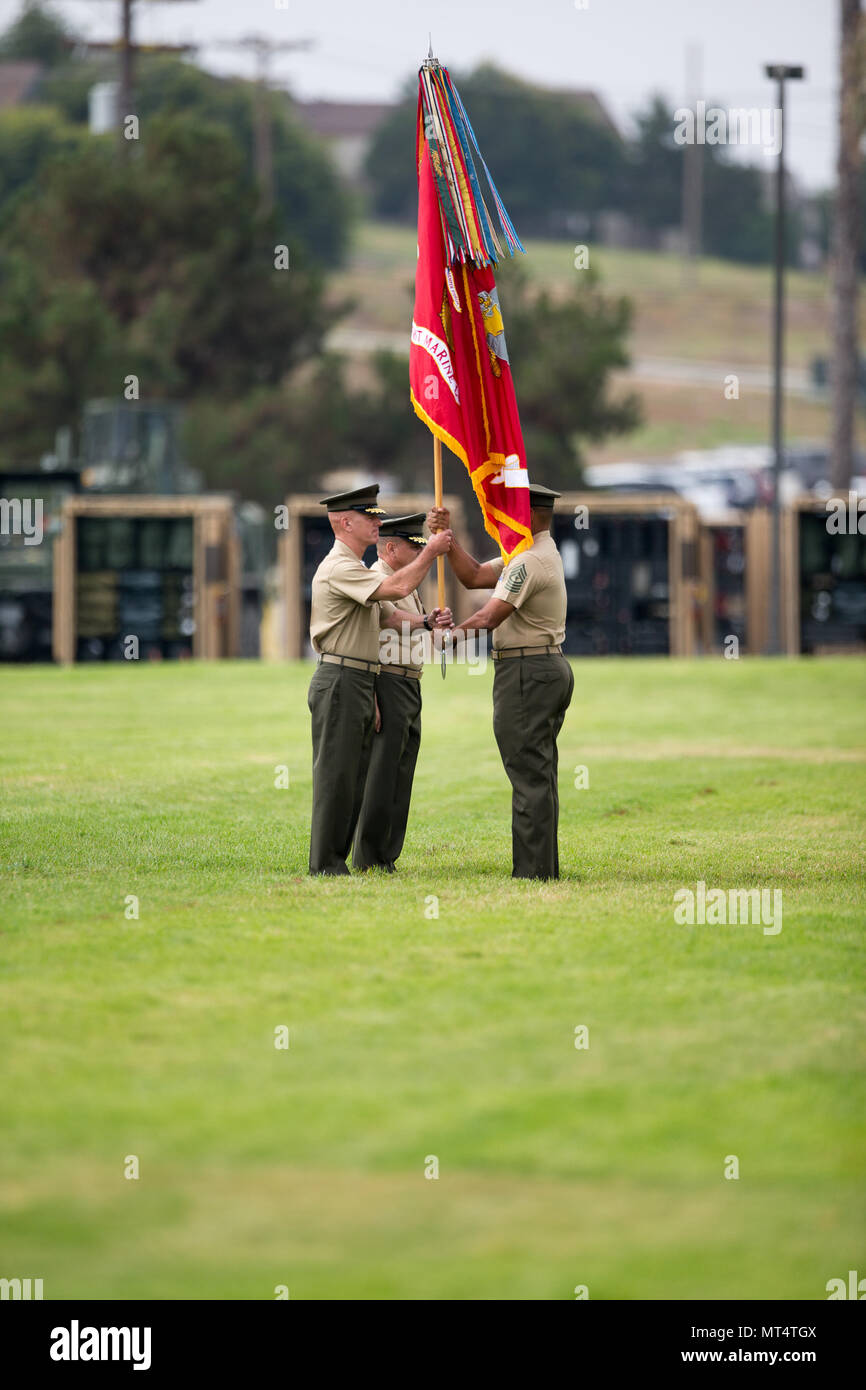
<point>459,373</point>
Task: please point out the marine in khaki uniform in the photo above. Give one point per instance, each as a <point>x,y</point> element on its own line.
<point>532,681</point>
<point>388,791</point>
<point>349,603</point>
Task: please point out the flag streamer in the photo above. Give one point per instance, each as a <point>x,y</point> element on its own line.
<point>472,233</point>
<point>460,374</point>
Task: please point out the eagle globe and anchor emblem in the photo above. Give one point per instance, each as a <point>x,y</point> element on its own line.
<point>511,474</point>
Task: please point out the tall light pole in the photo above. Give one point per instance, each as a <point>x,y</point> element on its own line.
<point>781,73</point>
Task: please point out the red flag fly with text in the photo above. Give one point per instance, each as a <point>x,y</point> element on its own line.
<point>459,373</point>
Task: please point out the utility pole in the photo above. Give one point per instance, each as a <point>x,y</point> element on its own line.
<point>846,241</point>
<point>124,95</point>
<point>264,49</point>
<point>127,50</point>
<point>693,170</point>
<point>781,73</point>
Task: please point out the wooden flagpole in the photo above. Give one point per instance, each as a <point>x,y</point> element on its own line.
<point>437,492</point>
<point>440,559</point>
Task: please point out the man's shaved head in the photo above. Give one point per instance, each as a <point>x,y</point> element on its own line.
<point>355,529</point>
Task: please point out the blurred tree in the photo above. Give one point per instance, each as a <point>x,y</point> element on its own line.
<point>30,136</point>
<point>67,86</point>
<point>563,352</point>
<point>160,267</point>
<point>651,187</point>
<point>737,222</point>
<point>285,439</point>
<point>556,167</point>
<point>38,35</point>
<point>313,207</point>
<point>550,158</point>
<point>737,225</point>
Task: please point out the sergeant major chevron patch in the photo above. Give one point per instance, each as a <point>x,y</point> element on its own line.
<point>515,580</point>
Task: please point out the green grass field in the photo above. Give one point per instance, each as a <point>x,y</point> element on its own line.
<point>412,1035</point>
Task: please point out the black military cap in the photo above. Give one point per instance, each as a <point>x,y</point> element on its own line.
<point>542,496</point>
<point>406,528</point>
<point>360,499</point>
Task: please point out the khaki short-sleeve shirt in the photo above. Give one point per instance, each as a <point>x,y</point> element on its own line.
<point>343,619</point>
<point>397,648</point>
<point>534,583</point>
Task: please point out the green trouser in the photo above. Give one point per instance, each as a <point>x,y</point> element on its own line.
<point>385,810</point>
<point>530,697</point>
<point>344,717</point>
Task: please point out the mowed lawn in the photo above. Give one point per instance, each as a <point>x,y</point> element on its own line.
<point>414,1037</point>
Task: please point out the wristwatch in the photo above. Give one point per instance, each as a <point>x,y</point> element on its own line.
<point>427,622</point>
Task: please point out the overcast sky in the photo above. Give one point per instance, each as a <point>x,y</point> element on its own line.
<point>623,49</point>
